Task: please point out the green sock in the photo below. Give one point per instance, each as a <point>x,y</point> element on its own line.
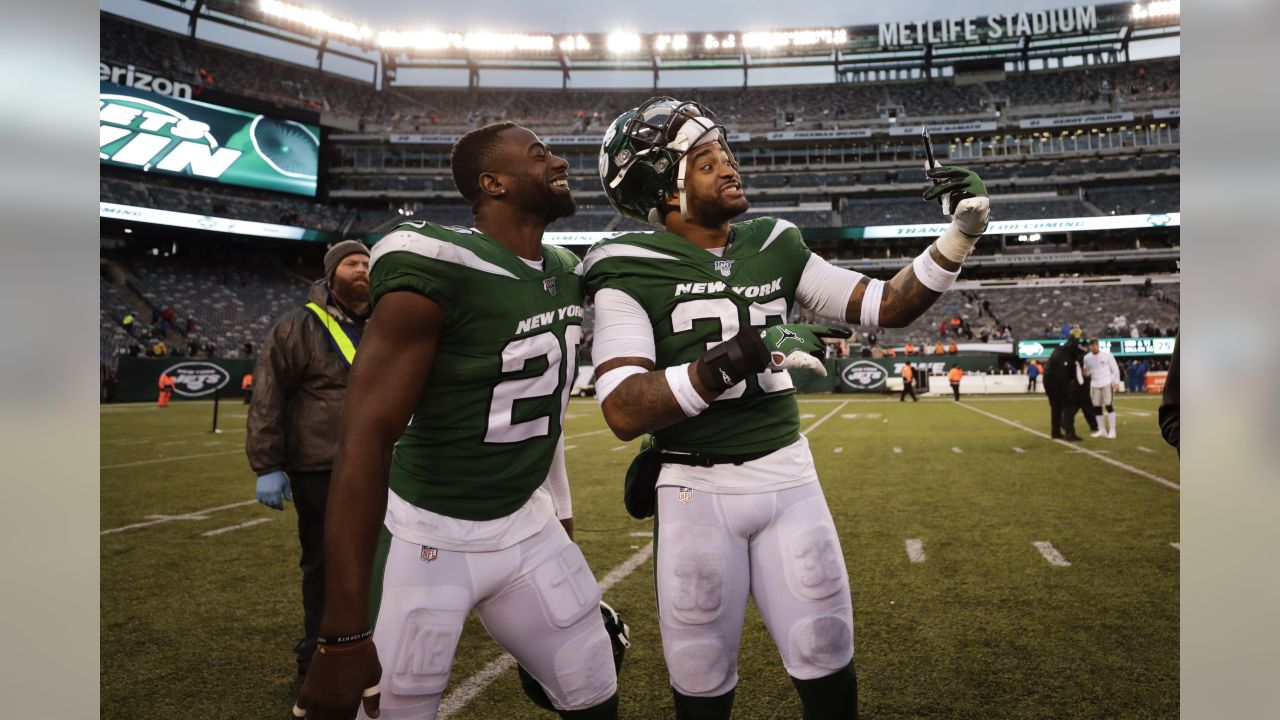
<point>834,697</point>
<point>703,708</point>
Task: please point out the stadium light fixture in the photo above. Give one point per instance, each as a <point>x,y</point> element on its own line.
<point>418,40</point>
<point>793,38</point>
<point>624,42</point>
<point>662,43</point>
<point>574,43</point>
<point>1156,9</point>
<point>507,42</point>
<point>316,20</point>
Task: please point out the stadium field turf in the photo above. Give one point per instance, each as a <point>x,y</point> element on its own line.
<point>995,573</point>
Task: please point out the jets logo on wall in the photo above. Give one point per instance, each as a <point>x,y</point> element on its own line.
<point>724,267</point>
<point>197,379</point>
<point>864,375</point>
<point>550,286</point>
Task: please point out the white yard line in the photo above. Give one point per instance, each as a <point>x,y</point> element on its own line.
<point>1064,443</point>
<point>1051,553</point>
<point>897,451</point>
<point>1145,449</point>
<point>468,689</point>
<point>251,523</point>
<point>570,447</point>
<point>620,447</point>
<point>197,515</point>
<point>1019,450</point>
<point>838,450</point>
<point>1176,546</point>
<point>824,418</point>
<point>956,450</point>
<point>585,434</point>
<point>173,459</point>
<point>915,550</point>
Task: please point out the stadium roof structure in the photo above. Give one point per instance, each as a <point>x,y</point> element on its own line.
<point>963,43</point>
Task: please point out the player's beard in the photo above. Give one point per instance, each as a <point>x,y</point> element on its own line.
<point>549,205</point>
<point>716,210</point>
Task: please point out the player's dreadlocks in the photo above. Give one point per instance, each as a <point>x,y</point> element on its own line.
<point>473,155</point>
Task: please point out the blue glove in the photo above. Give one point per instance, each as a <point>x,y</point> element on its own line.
<point>273,490</point>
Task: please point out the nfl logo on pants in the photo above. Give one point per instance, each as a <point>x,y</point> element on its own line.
<point>428,553</point>
<point>685,495</point>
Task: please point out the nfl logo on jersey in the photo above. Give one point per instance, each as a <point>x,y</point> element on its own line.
<point>428,553</point>
<point>550,286</point>
<point>724,267</point>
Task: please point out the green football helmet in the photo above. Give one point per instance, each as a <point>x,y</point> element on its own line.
<point>642,157</point>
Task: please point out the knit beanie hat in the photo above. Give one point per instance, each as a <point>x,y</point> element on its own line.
<point>336,253</point>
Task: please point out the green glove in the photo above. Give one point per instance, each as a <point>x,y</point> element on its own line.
<point>963,197</point>
<point>957,182</point>
<point>799,345</point>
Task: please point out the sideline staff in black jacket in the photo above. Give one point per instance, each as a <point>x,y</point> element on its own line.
<point>1062,384</point>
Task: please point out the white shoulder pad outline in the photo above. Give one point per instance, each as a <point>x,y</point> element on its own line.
<point>601,252</point>
<point>779,226</point>
<point>436,249</point>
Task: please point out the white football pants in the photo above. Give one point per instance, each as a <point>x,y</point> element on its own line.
<point>779,547</point>
<point>538,599</point>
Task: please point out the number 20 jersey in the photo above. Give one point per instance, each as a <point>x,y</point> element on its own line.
<point>696,300</point>
<point>485,428</point>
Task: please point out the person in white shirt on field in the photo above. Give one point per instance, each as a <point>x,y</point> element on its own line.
<point>1104,379</point>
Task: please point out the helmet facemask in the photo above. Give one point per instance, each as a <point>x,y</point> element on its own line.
<point>658,136</point>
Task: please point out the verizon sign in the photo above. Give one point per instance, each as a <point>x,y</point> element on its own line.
<point>130,76</point>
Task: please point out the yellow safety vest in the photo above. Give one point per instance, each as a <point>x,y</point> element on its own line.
<point>339,335</point>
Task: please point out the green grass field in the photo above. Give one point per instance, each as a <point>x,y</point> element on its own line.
<point>201,602</point>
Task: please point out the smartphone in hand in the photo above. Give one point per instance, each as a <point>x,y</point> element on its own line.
<point>930,162</point>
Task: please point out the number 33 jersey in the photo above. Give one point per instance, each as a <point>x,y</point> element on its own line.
<point>695,300</point>
<point>485,428</point>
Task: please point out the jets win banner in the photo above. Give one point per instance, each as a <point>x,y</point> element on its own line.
<point>155,133</point>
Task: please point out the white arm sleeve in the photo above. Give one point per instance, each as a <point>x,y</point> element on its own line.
<point>622,328</point>
<point>825,288</point>
<point>1115,368</point>
<point>557,483</point>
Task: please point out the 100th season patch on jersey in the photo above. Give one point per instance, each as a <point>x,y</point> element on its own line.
<point>695,300</point>
<point>485,427</point>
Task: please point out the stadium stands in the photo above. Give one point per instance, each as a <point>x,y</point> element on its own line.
<point>1037,312</point>
<point>415,109</point>
<point>219,201</point>
<point>229,304</point>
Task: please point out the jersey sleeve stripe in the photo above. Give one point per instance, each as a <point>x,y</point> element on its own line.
<point>436,249</point>
<point>621,250</point>
<point>779,226</point>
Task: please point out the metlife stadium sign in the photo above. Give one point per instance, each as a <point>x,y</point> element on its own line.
<point>175,136</point>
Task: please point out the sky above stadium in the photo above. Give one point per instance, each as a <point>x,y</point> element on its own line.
<point>561,16</point>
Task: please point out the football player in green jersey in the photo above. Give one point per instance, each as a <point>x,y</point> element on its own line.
<point>690,343</point>
<point>452,452</point>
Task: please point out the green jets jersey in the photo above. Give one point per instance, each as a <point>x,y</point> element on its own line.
<point>485,428</point>
<point>696,300</point>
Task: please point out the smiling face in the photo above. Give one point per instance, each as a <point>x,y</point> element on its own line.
<point>712,186</point>
<point>536,180</point>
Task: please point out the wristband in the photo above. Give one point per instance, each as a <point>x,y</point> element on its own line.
<point>728,363</point>
<point>344,639</point>
<point>931,274</point>
<point>682,387</point>
<point>871,303</point>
